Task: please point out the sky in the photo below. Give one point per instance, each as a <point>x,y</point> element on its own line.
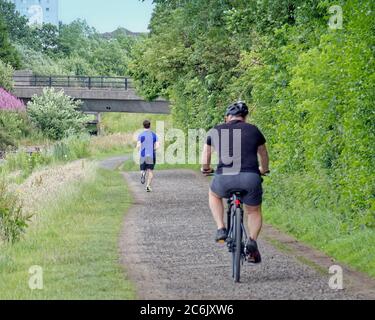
<point>108,15</point>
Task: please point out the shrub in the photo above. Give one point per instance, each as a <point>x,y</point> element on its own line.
<point>10,102</point>
<point>6,140</point>
<point>12,221</point>
<point>6,75</point>
<point>56,114</point>
<point>14,125</point>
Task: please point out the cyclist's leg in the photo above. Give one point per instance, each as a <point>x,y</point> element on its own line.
<point>217,209</point>
<point>253,202</point>
<point>255,220</point>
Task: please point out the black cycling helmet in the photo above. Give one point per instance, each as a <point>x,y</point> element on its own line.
<point>237,109</point>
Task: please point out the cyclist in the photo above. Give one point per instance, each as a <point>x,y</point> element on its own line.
<point>238,145</point>
<point>148,143</point>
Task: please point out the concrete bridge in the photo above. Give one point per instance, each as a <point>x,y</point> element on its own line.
<point>98,94</point>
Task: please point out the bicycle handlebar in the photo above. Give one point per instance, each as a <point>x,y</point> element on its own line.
<point>265,174</point>
<point>208,172</point>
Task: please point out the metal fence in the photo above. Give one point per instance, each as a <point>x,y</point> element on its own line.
<point>73,82</point>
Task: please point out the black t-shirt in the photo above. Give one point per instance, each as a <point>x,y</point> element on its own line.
<point>237,145</point>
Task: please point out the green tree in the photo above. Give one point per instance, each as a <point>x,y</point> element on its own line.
<point>16,23</point>
<point>75,37</point>
<point>44,38</point>
<point>6,76</point>
<point>8,53</point>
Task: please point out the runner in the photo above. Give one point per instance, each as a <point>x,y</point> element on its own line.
<point>148,143</point>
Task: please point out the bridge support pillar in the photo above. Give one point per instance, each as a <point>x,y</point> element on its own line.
<point>96,121</point>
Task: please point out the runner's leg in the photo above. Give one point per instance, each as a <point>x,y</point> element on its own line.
<point>150,177</point>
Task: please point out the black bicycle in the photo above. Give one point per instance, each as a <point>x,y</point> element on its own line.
<point>236,232</point>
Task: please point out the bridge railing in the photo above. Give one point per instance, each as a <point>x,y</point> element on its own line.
<point>73,82</point>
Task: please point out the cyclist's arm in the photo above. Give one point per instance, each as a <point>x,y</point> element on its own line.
<point>263,159</point>
<point>139,144</point>
<point>206,157</point>
<point>157,145</point>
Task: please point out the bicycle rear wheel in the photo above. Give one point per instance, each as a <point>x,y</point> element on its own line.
<point>237,254</point>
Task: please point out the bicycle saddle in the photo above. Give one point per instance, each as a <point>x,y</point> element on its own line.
<point>239,192</point>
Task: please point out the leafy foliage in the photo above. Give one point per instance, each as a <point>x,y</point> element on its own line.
<point>13,222</point>
<point>14,126</point>
<point>8,53</point>
<point>56,114</point>
<point>16,23</point>
<point>67,49</point>
<point>6,76</point>
<point>311,88</point>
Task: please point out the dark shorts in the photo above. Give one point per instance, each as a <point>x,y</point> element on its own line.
<point>249,182</point>
<point>148,163</point>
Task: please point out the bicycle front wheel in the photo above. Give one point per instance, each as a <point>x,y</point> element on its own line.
<point>238,245</point>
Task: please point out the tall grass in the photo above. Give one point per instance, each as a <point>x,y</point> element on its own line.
<point>13,222</point>
<point>313,213</point>
<point>131,122</point>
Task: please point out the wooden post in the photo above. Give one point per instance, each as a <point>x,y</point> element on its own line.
<point>98,119</point>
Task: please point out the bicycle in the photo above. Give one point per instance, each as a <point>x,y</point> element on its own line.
<point>236,230</point>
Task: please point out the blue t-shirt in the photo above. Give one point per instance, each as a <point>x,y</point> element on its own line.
<point>147,139</point>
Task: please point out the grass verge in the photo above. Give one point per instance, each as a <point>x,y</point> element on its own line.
<point>323,229</point>
<point>75,242</point>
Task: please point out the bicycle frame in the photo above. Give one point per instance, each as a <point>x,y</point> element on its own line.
<point>234,203</point>
<point>231,214</point>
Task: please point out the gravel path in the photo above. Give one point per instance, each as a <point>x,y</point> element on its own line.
<point>113,163</point>
<point>168,250</point>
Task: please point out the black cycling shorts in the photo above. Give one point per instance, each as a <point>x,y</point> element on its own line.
<point>148,163</point>
<point>249,182</point>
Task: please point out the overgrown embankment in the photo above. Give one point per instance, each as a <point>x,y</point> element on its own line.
<point>73,237</point>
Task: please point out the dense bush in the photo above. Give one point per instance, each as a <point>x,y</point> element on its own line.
<point>56,114</point>
<point>14,123</point>
<point>13,127</point>
<point>6,76</point>
<point>8,53</point>
<point>12,221</point>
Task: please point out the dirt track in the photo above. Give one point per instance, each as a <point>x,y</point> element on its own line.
<point>168,250</point>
